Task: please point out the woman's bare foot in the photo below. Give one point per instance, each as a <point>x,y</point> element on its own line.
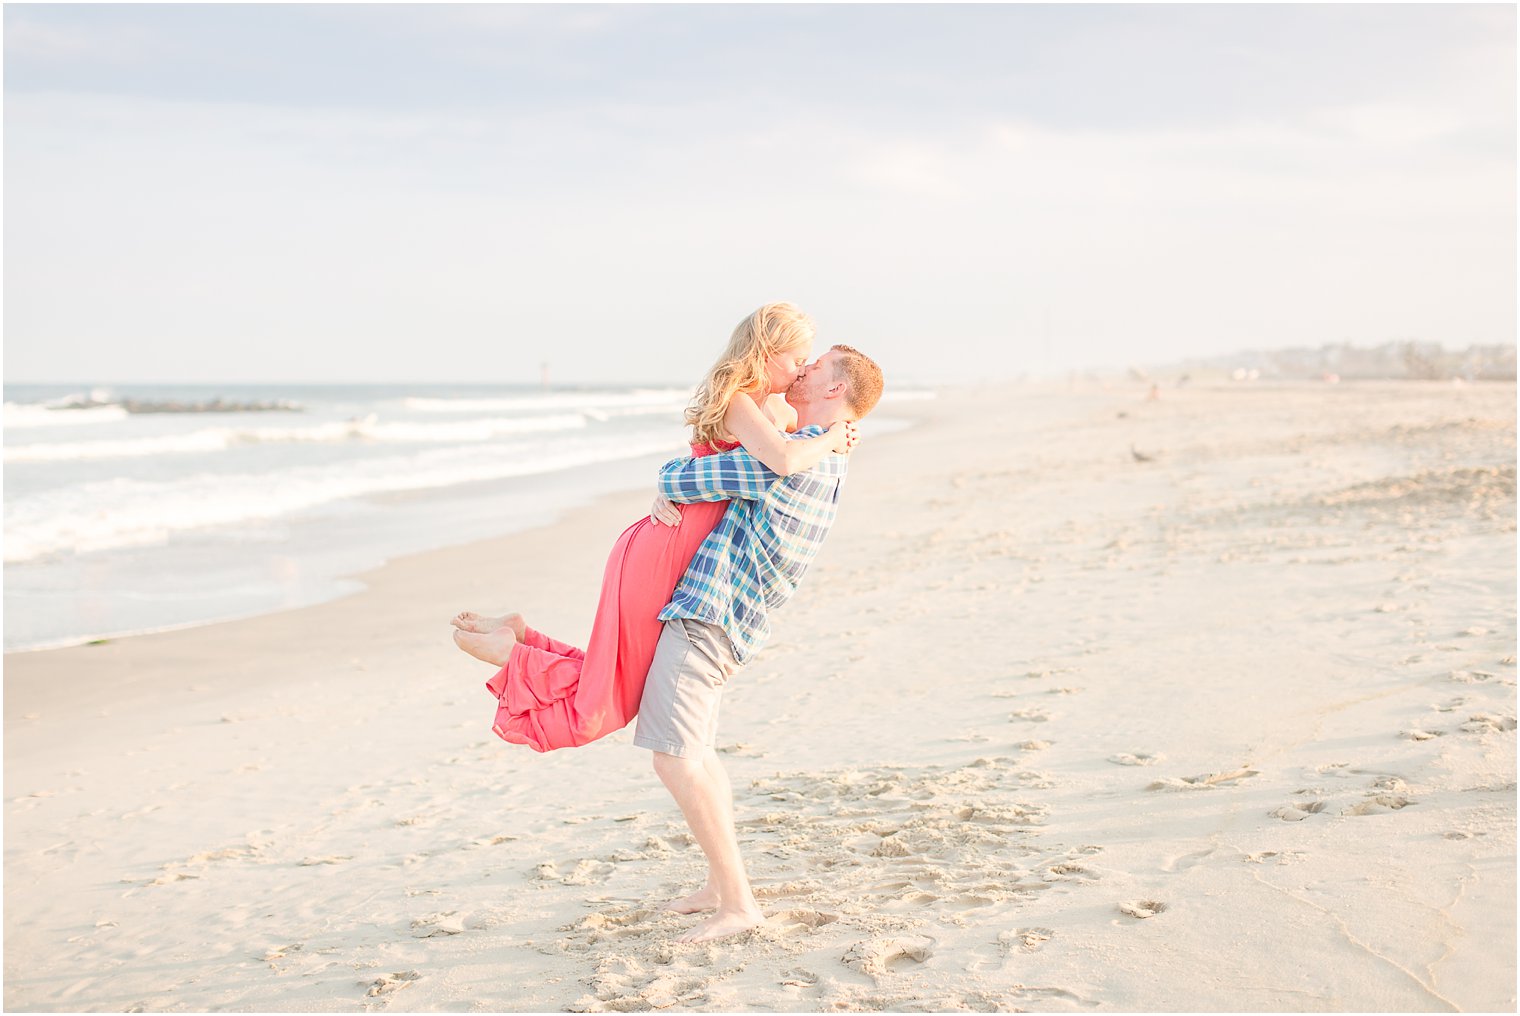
<point>704,898</point>
<point>723,925</point>
<point>468,620</point>
<point>495,647</point>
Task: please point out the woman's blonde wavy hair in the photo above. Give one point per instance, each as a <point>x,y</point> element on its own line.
<point>774,328</point>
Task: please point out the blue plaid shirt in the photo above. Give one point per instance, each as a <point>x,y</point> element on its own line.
<point>757,555</point>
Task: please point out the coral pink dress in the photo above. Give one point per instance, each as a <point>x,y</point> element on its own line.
<point>552,695</point>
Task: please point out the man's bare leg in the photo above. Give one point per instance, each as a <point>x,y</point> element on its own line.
<point>710,818</point>
<point>706,898</point>
<point>468,620</point>
<point>494,648</point>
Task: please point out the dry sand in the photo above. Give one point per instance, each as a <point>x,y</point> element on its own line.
<point>1048,727</point>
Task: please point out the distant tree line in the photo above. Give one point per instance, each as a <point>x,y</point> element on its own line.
<point>1403,359</point>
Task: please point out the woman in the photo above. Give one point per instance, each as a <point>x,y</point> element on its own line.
<point>552,695</point>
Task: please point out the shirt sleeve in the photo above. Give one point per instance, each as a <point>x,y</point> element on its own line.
<point>723,477</point>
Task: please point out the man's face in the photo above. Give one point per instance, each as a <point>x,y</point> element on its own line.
<point>814,381</point>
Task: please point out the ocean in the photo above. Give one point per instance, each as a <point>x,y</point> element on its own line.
<point>137,508</point>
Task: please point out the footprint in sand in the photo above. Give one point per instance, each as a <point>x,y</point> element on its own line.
<point>140,812</point>
<point>969,901</point>
<point>1202,781</point>
<point>799,979</point>
<point>1421,735</point>
<point>589,872</point>
<point>1029,715</point>
<point>796,887</point>
<point>238,853</point>
<point>1142,909</point>
<point>493,841</point>
<point>273,956</point>
<point>1298,812</point>
<point>1067,871</point>
<point>386,984</point>
<point>1469,676</point>
<point>1047,999</point>
<point>1484,723</point>
<point>1379,805</point>
<point>879,957</point>
<point>1025,940</point>
<point>799,921</point>
<point>1138,758</point>
<point>998,814</point>
<point>616,924</point>
<point>1186,861</point>
<point>433,925</point>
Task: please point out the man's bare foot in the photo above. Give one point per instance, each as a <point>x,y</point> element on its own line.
<point>724,925</point>
<point>468,620</point>
<point>493,648</point>
<point>703,899</point>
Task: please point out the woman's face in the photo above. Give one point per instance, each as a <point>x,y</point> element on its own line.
<point>782,368</point>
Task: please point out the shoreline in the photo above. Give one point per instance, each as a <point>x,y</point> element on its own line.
<point>473,512</point>
<point>1031,689</point>
<point>354,582</point>
<point>579,523</point>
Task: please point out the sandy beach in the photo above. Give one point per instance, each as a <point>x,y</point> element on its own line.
<point>1090,702</point>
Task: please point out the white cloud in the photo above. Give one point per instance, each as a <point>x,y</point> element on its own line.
<point>174,238</point>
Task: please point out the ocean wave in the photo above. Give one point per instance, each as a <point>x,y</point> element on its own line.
<point>122,512</point>
<point>653,398</point>
<point>24,415</point>
<point>368,429</point>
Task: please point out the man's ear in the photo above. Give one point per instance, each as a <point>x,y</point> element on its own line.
<point>835,390</point>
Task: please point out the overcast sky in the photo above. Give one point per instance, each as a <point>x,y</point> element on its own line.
<point>456,193</point>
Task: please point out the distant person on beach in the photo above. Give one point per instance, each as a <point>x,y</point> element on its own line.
<point>717,618</point>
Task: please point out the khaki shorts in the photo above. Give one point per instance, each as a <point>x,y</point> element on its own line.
<point>678,714</point>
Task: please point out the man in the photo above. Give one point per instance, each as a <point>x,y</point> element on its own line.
<point>719,616</point>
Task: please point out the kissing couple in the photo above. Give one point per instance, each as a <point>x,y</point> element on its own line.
<point>688,591</point>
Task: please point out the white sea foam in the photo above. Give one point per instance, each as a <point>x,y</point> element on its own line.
<point>656,399</point>
<point>126,512</point>
<point>24,415</point>
<point>369,429</point>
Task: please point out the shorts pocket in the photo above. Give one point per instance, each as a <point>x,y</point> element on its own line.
<point>709,644</point>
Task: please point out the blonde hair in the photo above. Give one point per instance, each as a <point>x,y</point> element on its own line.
<point>774,328</point>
